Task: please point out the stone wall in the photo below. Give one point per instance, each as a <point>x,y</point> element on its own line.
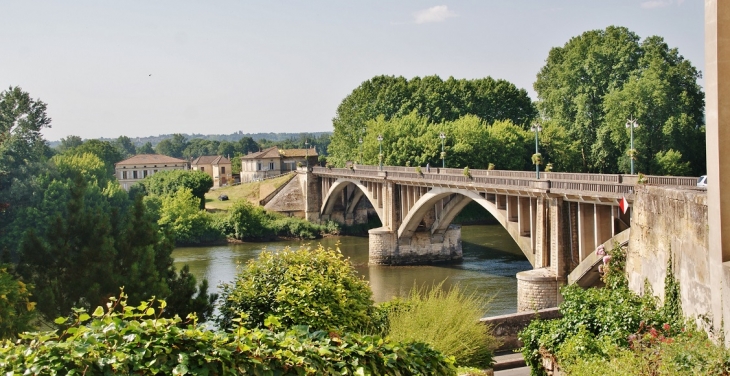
<point>506,327</point>
<point>672,223</point>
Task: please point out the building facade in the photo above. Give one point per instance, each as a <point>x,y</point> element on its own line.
<point>134,169</point>
<point>218,167</point>
<point>273,161</point>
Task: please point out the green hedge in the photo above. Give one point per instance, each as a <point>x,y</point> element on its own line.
<point>137,340</point>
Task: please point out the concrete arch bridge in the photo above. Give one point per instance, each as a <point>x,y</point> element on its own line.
<point>557,221</point>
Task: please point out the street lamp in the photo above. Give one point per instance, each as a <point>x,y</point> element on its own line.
<point>631,124</point>
<point>536,128</point>
<point>442,136</point>
<point>380,156</point>
<point>306,145</point>
<point>360,150</point>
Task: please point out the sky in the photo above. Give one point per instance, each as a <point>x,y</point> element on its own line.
<point>145,68</point>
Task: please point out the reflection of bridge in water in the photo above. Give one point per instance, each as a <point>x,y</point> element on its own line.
<point>557,220</point>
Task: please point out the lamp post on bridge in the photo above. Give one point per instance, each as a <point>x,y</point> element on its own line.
<point>380,156</point>
<point>306,145</point>
<point>537,158</point>
<point>442,136</point>
<point>631,124</point>
<point>360,150</point>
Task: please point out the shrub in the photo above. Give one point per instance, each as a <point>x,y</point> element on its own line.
<point>448,321</point>
<point>181,216</point>
<point>17,312</point>
<point>316,287</point>
<point>137,340</point>
<point>467,172</point>
<point>600,323</point>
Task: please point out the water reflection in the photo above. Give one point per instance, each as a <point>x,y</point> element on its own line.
<point>491,260</point>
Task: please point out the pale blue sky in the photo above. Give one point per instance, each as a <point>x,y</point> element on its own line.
<point>284,66</point>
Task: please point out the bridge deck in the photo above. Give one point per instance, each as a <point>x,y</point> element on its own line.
<point>576,186</point>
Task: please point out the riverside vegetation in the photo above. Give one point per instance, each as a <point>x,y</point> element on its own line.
<point>295,312</point>
<point>614,331</point>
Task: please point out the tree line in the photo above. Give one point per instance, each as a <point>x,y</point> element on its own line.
<point>178,146</point>
<point>587,91</point>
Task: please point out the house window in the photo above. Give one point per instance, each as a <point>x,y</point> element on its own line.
<point>223,170</point>
<point>271,165</point>
<point>134,174</point>
<point>202,169</point>
<point>259,166</point>
<point>155,171</point>
<point>124,174</point>
<point>144,173</point>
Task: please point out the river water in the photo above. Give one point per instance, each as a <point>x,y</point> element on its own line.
<point>491,260</point>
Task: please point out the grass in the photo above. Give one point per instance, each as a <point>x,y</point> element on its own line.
<point>253,192</point>
<point>449,322</point>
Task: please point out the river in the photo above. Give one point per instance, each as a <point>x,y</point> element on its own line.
<point>491,260</point>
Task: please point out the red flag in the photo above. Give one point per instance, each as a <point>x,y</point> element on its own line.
<point>623,204</point>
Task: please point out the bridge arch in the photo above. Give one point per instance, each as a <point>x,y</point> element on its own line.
<point>423,205</point>
<point>330,198</point>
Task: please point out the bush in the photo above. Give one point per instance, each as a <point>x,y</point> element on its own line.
<point>181,217</point>
<point>448,321</point>
<point>600,323</point>
<point>318,288</point>
<point>246,221</point>
<point>137,340</point>
<point>17,312</point>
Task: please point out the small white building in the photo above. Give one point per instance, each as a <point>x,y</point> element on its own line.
<point>272,162</point>
<point>134,169</point>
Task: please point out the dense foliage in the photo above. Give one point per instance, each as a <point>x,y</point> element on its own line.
<point>181,217</point>
<point>598,80</point>
<point>607,327</point>
<point>17,312</point>
<point>248,222</point>
<point>167,183</point>
<point>70,234</point>
<point>124,340</point>
<point>431,98</point>
<point>314,287</point>
<point>446,320</point>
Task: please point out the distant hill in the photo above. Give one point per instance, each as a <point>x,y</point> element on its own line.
<point>154,140</point>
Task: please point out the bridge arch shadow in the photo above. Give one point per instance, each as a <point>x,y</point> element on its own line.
<point>354,191</point>
<point>450,202</point>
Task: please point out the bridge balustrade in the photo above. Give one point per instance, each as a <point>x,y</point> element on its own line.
<point>615,183</point>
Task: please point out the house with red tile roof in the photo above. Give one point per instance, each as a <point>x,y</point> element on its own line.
<point>134,169</point>
<point>274,161</point>
<point>218,167</point>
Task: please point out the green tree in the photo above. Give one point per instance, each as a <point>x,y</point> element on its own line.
<point>173,147</point>
<point>181,216</point>
<point>598,80</point>
<point>431,98</point>
<point>21,121</point>
<point>146,149</point>
<point>22,153</point>
<point>125,146</point>
<point>70,142</point>
<point>166,183</point>
<point>87,240</point>
<point>105,150</point>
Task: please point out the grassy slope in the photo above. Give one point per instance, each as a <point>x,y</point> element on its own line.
<point>246,191</point>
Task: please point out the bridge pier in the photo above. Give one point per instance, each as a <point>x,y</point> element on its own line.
<point>421,248</point>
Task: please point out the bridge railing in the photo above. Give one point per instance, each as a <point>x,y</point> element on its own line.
<point>557,186</point>
<point>556,182</point>
<point>682,181</point>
